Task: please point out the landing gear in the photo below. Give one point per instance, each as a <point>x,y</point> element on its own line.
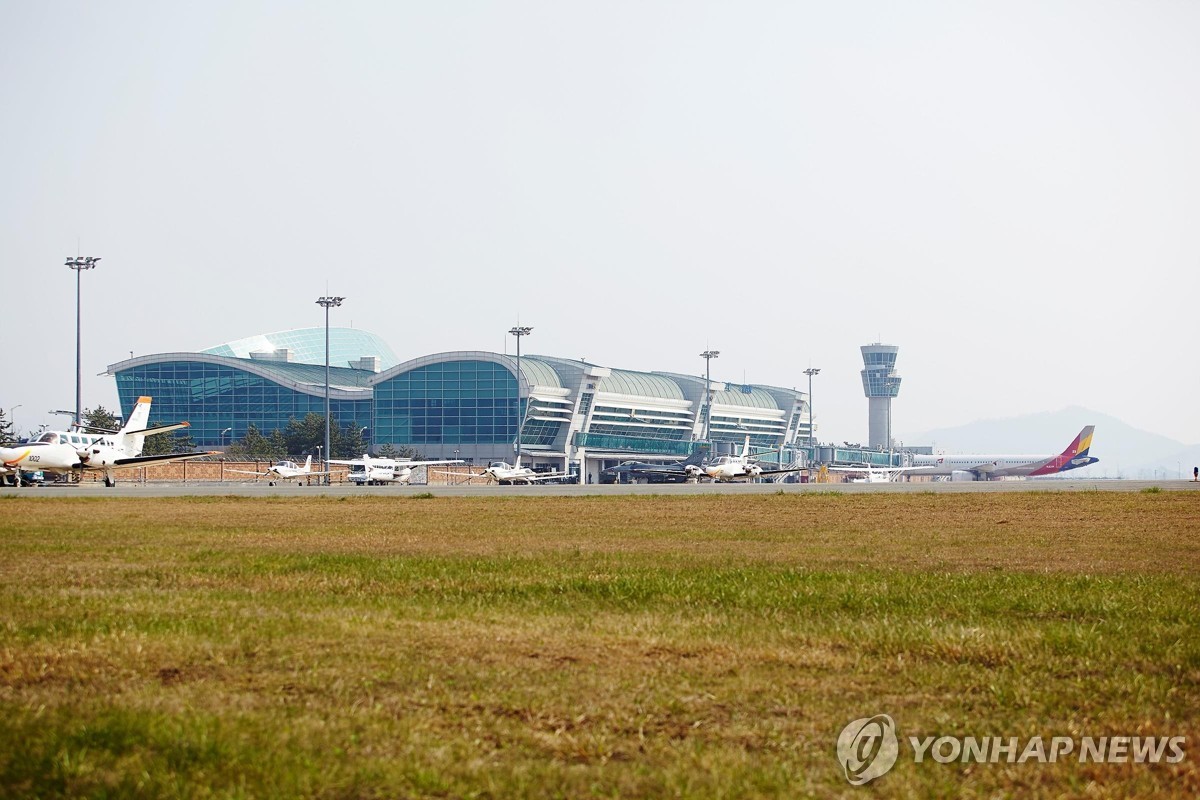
<point>108,481</point>
<point>270,483</point>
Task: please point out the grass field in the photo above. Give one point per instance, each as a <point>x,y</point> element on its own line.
<point>657,647</point>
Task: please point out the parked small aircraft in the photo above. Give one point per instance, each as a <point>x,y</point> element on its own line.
<point>690,468</point>
<point>871,474</point>
<point>378,471</point>
<point>739,468</point>
<point>67,452</point>
<point>284,471</point>
<point>505,474</point>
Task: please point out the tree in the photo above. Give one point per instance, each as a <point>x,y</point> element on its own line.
<point>163,443</point>
<point>390,450</point>
<point>307,434</point>
<point>254,446</point>
<point>7,435</point>
<point>347,442</point>
<point>101,419</point>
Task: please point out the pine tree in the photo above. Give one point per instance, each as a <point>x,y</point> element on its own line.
<point>7,434</point>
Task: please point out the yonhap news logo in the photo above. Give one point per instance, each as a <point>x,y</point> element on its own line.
<point>867,748</point>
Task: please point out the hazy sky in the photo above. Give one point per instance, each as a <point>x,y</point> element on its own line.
<point>1009,191</point>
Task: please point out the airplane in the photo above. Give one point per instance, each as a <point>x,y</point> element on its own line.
<point>990,467</point>
<point>690,468</point>
<point>284,471</point>
<point>870,474</point>
<point>76,452</point>
<point>736,468</point>
<point>378,471</point>
<point>505,474</point>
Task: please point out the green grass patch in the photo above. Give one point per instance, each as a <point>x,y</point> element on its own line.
<point>700,647</point>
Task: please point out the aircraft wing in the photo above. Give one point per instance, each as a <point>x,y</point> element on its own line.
<point>247,472</point>
<point>400,464</point>
<point>136,460</point>
<point>472,476</point>
<point>889,470</point>
<point>542,476</point>
<point>160,429</point>
<point>781,471</point>
<point>660,471</point>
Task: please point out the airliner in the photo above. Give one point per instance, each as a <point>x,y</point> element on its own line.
<point>989,467</point>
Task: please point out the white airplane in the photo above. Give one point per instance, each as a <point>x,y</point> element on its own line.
<point>378,471</point>
<point>284,471</point>
<point>870,474</point>
<point>67,452</point>
<point>506,474</point>
<point>739,468</point>
<point>988,467</point>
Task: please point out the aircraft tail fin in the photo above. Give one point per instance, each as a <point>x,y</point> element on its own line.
<point>138,421</point>
<point>746,448</point>
<point>308,463</point>
<point>699,455</point>
<point>1082,443</point>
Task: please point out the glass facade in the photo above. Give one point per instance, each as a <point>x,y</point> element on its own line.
<point>454,402</point>
<point>634,444</point>
<point>213,397</point>
<point>307,346</point>
<point>439,402</point>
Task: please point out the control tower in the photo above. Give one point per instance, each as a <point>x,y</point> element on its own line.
<point>880,384</point>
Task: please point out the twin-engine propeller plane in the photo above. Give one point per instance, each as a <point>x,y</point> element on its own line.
<point>65,453</point>
<point>284,471</point>
<point>740,468</point>
<point>377,471</point>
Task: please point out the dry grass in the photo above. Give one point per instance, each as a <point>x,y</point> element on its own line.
<point>623,646</point>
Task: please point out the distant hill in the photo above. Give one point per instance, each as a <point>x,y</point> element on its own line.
<point>1123,450</point>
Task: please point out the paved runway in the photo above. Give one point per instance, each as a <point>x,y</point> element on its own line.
<point>236,489</point>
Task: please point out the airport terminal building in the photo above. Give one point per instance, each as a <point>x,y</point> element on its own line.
<point>465,404</point>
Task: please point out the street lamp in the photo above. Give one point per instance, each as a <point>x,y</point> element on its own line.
<point>12,422</point>
<point>79,265</point>
<point>227,430</point>
<point>327,303</point>
<point>518,332</point>
<point>810,372</point>
<point>708,356</point>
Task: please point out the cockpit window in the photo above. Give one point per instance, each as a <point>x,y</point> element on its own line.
<point>49,437</point>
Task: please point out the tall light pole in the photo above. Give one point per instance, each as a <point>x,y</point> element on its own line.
<point>810,372</point>
<point>327,303</point>
<point>79,265</point>
<point>708,356</point>
<point>518,332</point>
<point>227,430</point>
<point>12,422</point>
